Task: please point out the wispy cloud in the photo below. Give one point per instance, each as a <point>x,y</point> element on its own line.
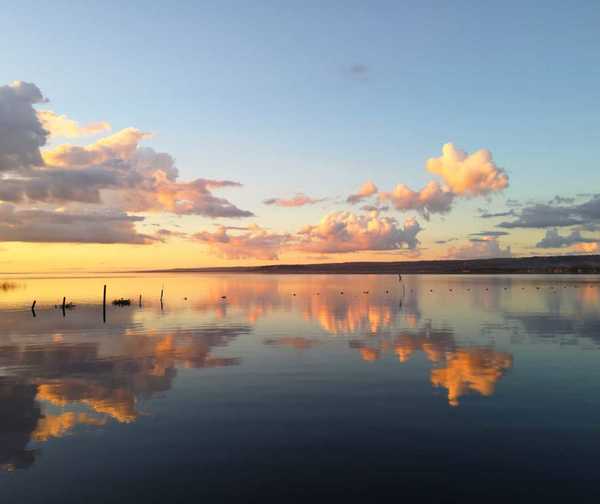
<point>300,199</point>
<point>365,191</point>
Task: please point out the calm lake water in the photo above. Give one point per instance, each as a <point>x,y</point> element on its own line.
<point>253,388</point>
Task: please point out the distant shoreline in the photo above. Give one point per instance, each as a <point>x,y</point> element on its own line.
<point>574,264</point>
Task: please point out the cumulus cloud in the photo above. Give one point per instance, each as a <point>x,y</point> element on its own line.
<point>338,232</point>
<point>433,198</point>
<point>140,179</point>
<point>298,200</point>
<point>21,133</point>
<point>366,190</point>
<point>468,175</point>
<point>553,239</point>
<point>463,176</point>
<point>57,226</point>
<point>62,126</point>
<point>114,170</point>
<point>480,248</point>
<point>347,232</point>
<point>118,146</point>
<point>255,242</point>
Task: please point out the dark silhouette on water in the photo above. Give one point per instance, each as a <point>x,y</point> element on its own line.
<point>121,302</point>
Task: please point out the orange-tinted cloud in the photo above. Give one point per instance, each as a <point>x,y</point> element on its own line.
<point>588,248</point>
<point>366,190</point>
<point>114,171</point>
<point>62,126</point>
<point>253,242</point>
<point>118,146</point>
<point>465,174</point>
<point>298,200</point>
<point>433,198</point>
<point>347,232</point>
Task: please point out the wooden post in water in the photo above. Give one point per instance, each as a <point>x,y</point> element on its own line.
<point>33,308</point>
<point>161,298</point>
<point>104,305</point>
<point>63,305</point>
<point>140,303</point>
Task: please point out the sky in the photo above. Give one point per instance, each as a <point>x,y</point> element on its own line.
<point>257,132</point>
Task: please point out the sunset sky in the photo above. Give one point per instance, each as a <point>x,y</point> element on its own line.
<point>136,135</point>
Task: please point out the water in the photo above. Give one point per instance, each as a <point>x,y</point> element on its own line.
<point>439,388</point>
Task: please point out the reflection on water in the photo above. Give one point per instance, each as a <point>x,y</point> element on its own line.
<point>463,337</point>
<point>458,370</point>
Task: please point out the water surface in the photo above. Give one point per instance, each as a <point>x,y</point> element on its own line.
<point>288,388</point>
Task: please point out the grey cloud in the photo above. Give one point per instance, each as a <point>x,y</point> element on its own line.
<point>61,227</point>
<point>553,239</point>
<point>546,216</point>
<point>21,133</point>
<point>490,233</point>
<point>487,215</point>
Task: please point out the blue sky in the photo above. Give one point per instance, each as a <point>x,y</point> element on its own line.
<point>320,96</point>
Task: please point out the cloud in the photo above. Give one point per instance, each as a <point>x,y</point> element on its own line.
<point>490,233</point>
<point>553,239</point>
<point>62,126</point>
<point>256,243</point>
<point>21,133</point>
<point>366,190</point>
<point>588,248</point>
<point>347,232</point>
<point>549,216</point>
<point>463,175</point>
<point>468,175</point>
<point>560,200</point>
<point>433,198</point>
<point>479,249</point>
<point>357,71</point>
<point>298,200</point>
<point>374,208</point>
<point>65,227</point>
<point>118,146</point>
<point>486,215</point>
<point>114,170</point>
<point>59,186</point>
<point>338,232</point>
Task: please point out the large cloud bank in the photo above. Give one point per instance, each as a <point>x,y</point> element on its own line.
<point>109,177</point>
